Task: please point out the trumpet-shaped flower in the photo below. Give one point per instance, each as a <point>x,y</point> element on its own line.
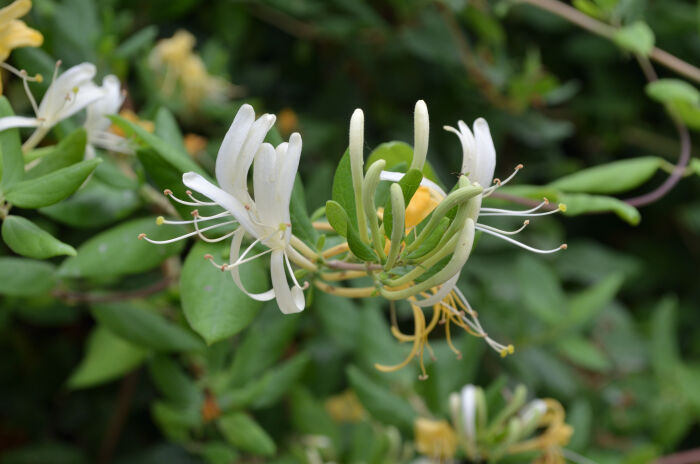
<point>97,124</point>
<point>68,93</point>
<point>265,215</point>
<point>15,33</point>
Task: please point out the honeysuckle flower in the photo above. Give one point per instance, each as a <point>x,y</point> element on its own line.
<point>14,33</point>
<point>97,124</point>
<point>435,439</point>
<point>265,217</point>
<point>175,61</point>
<point>68,93</point>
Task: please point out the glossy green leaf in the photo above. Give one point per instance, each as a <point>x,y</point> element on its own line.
<point>145,328</point>
<point>339,318</point>
<point>106,358</point>
<point>689,113</point>
<point>409,183</point>
<point>118,251</point>
<point>358,247</point>
<point>11,159</point>
<point>380,402</point>
<point>27,239</point>
<point>279,381</point>
<point>243,432</point>
<point>582,203</point>
<point>96,204</point>
<point>213,304</point>
<point>541,291</point>
<point>396,153</point>
<point>636,38</point>
<point>615,177</point>
<point>342,190</point>
<point>664,340</point>
<point>214,452</point>
<point>50,188</point>
<point>167,129</point>
<point>25,277</point>
<point>671,90</point>
<point>138,41</point>
<point>310,417</point>
<point>587,304</point>
<point>337,217</point>
<point>69,151</point>
<point>173,383</point>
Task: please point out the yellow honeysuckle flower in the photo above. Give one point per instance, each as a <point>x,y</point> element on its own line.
<point>345,407</point>
<point>15,33</point>
<point>556,435</point>
<point>435,439</point>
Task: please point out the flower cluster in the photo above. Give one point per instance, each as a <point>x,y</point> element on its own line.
<point>413,248</point>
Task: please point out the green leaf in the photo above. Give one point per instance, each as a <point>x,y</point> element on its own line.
<point>175,422</point>
<point>409,183</point>
<point>358,247</point>
<point>145,328</point>
<point>689,113</point>
<point>263,344</point>
<point>173,383</point>
<point>581,203</point>
<point>140,40</point>
<point>342,191</point>
<point>664,341</point>
<point>167,151</point>
<point>50,188</point>
<point>69,151</point>
<point>337,217</point>
<point>339,317</point>
<point>243,432</point>
<point>167,129</point>
<point>310,417</point>
<point>636,38</point>
<point>541,290</point>
<point>213,304</point>
<point>615,177</point>
<point>433,239</point>
<point>25,277</point>
<point>583,353</point>
<point>396,153</point>
<point>381,403</point>
<point>11,159</point>
<point>301,223</point>
<point>672,90</point>
<point>96,204</point>
<point>107,357</point>
<point>27,239</point>
<point>279,381</point>
<point>587,304</point>
<point>214,452</point>
<point>118,251</point>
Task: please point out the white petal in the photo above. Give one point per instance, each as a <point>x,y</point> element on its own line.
<point>225,200</point>
<point>287,173</point>
<point>289,301</point>
<point>96,120</point>
<point>264,177</point>
<point>8,122</point>
<point>466,139</point>
<point>469,411</point>
<point>445,288</point>
<point>485,152</point>
<point>87,94</point>
<point>235,253</point>
<point>397,176</point>
<point>231,146</point>
<point>421,132</point>
<point>65,84</point>
<point>250,147</point>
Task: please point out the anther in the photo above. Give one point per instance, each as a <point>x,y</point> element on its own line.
<point>223,267</point>
<point>497,181</point>
<point>39,78</point>
<point>564,246</point>
<point>526,222</point>
<point>458,355</point>
<point>167,192</point>
<point>188,192</point>
<point>562,207</point>
<point>208,256</point>
<point>546,200</point>
<point>195,213</point>
<point>160,220</point>
<point>423,377</point>
<point>519,167</point>
<point>142,236</point>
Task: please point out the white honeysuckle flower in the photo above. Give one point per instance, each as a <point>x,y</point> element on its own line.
<point>468,403</point>
<point>97,123</point>
<point>265,217</point>
<point>478,151</point>
<point>68,93</point>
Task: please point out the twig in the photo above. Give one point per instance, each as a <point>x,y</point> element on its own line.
<point>118,419</point>
<point>604,30</point>
<point>79,297</point>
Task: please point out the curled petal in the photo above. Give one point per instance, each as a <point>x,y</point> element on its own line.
<point>235,253</point>
<point>289,300</point>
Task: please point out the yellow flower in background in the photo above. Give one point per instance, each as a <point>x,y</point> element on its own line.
<point>15,33</point>
<point>555,436</point>
<point>345,407</point>
<point>435,439</point>
<point>179,67</point>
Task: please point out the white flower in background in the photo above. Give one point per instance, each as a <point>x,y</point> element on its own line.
<point>97,123</point>
<point>266,218</point>
<point>68,93</point>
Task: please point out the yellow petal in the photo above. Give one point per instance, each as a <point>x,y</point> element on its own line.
<point>15,10</point>
<point>17,34</point>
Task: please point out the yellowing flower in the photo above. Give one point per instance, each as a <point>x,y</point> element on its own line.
<point>15,33</point>
<point>435,439</point>
<point>345,407</point>
<point>178,66</point>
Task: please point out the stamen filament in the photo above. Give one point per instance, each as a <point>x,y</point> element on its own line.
<point>504,232</point>
<point>182,237</point>
<point>521,245</point>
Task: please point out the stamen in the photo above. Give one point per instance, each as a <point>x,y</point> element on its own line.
<point>521,245</point>
<point>182,237</point>
<point>509,212</point>
<point>513,232</point>
<point>210,258</point>
<point>291,271</point>
<point>240,261</point>
<point>169,193</point>
<point>189,194</point>
<point>195,213</point>
<point>161,220</point>
<point>499,183</point>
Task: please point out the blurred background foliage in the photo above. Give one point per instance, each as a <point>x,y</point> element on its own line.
<point>99,364</point>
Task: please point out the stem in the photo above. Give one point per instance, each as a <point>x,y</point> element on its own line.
<point>336,250</point>
<point>303,248</point>
<point>353,266</point>
<point>342,275</point>
<point>323,226</point>
<point>604,30</point>
<point>36,137</point>
<point>362,292</point>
